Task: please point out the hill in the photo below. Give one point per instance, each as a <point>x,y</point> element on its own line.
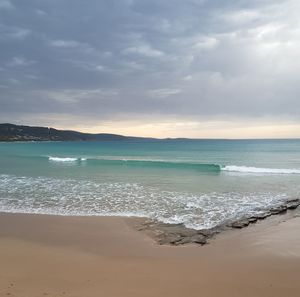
<point>11,132</point>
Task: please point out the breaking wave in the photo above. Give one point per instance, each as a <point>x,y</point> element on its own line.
<point>58,159</point>
<point>245,169</point>
<point>122,161</point>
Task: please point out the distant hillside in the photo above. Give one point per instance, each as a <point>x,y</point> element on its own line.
<point>10,132</point>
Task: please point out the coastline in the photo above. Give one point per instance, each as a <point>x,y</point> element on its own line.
<point>106,256</point>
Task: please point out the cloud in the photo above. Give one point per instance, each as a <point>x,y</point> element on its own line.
<point>65,43</point>
<point>191,60</point>
<point>13,81</point>
<point>144,50</point>
<point>20,61</point>
<point>163,93</point>
<point>72,45</point>
<point>41,13</point>
<point>244,16</point>
<point>13,33</point>
<point>6,4</point>
<point>75,95</point>
<point>206,43</point>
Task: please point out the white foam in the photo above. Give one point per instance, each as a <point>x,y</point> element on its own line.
<point>246,169</point>
<point>55,196</point>
<point>58,159</point>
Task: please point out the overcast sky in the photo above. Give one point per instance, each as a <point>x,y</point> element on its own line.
<point>166,68</point>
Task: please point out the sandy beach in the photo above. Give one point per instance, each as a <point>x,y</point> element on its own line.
<point>106,256</point>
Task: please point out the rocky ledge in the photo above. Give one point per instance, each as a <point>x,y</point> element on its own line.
<point>178,234</point>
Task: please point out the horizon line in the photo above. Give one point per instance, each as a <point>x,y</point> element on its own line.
<point>154,138</point>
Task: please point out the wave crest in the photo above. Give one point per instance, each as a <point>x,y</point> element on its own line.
<point>245,169</point>
<point>172,164</point>
<point>59,159</point>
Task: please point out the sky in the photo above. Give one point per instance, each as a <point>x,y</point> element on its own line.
<point>159,68</point>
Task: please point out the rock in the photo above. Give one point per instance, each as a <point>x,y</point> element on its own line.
<point>187,232</point>
<point>185,240</point>
<point>176,241</point>
<point>240,224</point>
<point>206,232</point>
<point>264,215</point>
<point>293,204</point>
<point>200,239</point>
<point>279,209</point>
<point>178,234</point>
<point>253,220</point>
<point>169,239</point>
<point>296,200</point>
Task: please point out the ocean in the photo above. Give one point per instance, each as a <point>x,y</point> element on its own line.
<point>200,183</point>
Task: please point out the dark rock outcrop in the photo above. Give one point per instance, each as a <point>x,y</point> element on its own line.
<point>178,234</point>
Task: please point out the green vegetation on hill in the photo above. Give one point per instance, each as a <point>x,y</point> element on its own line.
<point>11,132</point>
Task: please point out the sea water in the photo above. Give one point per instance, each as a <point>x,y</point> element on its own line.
<point>200,183</point>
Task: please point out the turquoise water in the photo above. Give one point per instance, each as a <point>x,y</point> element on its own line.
<point>200,183</point>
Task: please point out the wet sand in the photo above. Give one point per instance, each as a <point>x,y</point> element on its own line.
<point>107,256</point>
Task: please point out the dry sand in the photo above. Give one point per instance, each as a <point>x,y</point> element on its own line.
<point>97,256</point>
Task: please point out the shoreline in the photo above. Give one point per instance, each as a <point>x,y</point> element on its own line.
<point>179,234</point>
<point>107,256</point>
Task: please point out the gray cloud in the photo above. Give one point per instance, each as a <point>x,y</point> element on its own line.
<point>126,58</point>
<point>6,4</point>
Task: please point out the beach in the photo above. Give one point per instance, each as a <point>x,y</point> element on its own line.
<point>43,255</point>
